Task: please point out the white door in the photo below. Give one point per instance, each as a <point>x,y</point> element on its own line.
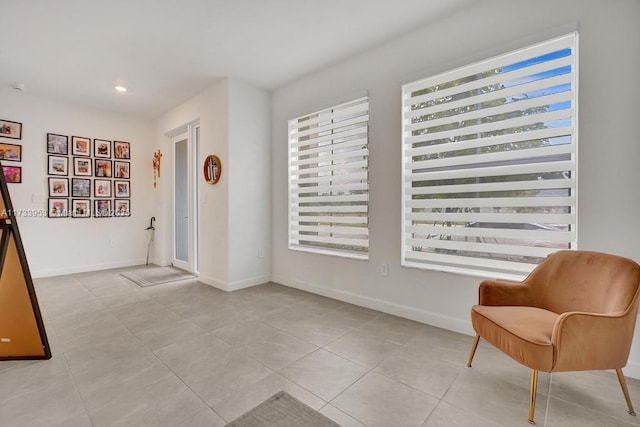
<point>185,196</point>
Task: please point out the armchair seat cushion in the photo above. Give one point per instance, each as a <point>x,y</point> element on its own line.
<point>524,333</point>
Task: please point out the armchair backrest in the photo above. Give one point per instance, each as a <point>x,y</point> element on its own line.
<point>584,281</point>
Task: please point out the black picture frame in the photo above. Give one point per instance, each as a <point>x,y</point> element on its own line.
<point>10,152</point>
<point>101,148</point>
<point>122,207</point>
<point>58,165</point>
<point>121,150</point>
<point>82,166</point>
<point>58,187</point>
<point>102,168</point>
<point>102,188</point>
<point>58,208</point>
<point>12,174</point>
<point>80,187</point>
<point>9,129</point>
<point>121,170</point>
<point>102,208</point>
<point>81,208</point>
<point>57,144</point>
<point>81,146</point>
<point>122,189</point>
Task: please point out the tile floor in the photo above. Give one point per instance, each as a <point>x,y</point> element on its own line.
<point>186,354</point>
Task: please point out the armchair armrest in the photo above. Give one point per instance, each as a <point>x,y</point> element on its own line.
<point>592,341</point>
<point>500,292</point>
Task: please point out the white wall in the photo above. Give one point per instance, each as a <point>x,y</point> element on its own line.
<point>249,171</point>
<point>57,246</point>
<point>210,108</point>
<point>609,107</point>
<point>234,213</point>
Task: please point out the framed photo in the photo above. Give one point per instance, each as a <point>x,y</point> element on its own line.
<point>102,208</point>
<point>103,168</point>
<point>122,189</point>
<point>12,174</point>
<point>122,208</point>
<point>121,150</point>
<point>80,187</point>
<point>59,187</point>
<point>10,129</point>
<point>121,169</point>
<point>81,166</point>
<point>57,144</point>
<point>58,208</point>
<point>81,208</point>
<point>58,165</point>
<point>11,152</point>
<point>101,148</point>
<point>80,146</point>
<point>102,188</point>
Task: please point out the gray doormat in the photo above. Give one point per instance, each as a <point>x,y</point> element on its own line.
<point>149,276</point>
<point>282,410</point>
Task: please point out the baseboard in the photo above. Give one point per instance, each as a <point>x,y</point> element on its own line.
<point>412,313</point>
<point>632,370</point>
<point>85,268</point>
<point>234,286</point>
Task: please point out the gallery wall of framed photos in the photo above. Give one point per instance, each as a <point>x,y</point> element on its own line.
<point>88,177</point>
<point>11,151</point>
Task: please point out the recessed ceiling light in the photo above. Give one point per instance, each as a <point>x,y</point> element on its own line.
<point>120,88</point>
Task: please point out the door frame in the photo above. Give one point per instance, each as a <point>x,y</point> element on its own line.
<point>189,132</point>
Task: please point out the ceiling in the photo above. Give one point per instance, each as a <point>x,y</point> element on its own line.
<point>166,51</point>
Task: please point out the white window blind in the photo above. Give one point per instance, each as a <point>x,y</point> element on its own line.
<point>489,163</point>
<point>328,181</point>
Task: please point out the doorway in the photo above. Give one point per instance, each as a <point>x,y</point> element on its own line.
<point>185,146</point>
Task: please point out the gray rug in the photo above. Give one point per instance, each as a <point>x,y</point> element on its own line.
<point>153,275</point>
<point>282,410</point>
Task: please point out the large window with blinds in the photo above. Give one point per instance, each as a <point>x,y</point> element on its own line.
<point>328,181</point>
<point>489,163</point>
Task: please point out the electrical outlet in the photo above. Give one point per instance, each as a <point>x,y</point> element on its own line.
<point>260,253</point>
<point>37,197</point>
<point>384,269</point>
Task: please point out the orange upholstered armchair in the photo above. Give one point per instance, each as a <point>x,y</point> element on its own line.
<point>576,311</point>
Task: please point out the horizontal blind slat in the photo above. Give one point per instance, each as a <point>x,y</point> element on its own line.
<point>532,86</point>
<point>494,233</point>
<point>332,240</point>
<point>546,184</point>
<point>353,219</point>
<point>341,145</point>
<point>488,141</point>
<point>491,127</point>
<point>501,156</point>
<point>524,169</point>
<point>323,116</point>
<point>518,218</point>
<point>533,251</point>
<point>362,152</point>
<point>491,63</point>
<point>335,128</point>
<point>481,263</point>
<point>329,138</point>
<point>343,178</point>
<point>492,202</point>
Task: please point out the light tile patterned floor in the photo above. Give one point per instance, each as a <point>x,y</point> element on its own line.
<point>186,354</point>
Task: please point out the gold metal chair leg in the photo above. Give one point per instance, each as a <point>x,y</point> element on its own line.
<point>625,390</point>
<point>532,397</point>
<point>473,350</point>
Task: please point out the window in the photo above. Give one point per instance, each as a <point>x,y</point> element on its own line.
<point>489,163</point>
<point>328,181</point>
